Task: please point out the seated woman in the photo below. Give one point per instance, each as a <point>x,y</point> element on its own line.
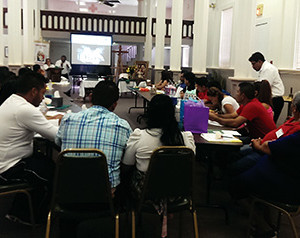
<point>190,90</point>
<point>221,102</point>
<point>48,64</point>
<point>166,78</point>
<point>263,93</point>
<point>162,129</point>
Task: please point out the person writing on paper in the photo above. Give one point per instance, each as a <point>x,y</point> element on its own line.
<point>223,103</point>
<point>98,127</point>
<point>248,157</point>
<point>48,64</point>
<point>162,129</point>
<point>20,119</point>
<point>251,112</point>
<point>166,78</point>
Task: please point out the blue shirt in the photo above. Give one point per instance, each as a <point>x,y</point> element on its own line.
<point>97,128</point>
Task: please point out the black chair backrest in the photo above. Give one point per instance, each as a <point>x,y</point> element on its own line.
<point>170,173</point>
<point>81,181</point>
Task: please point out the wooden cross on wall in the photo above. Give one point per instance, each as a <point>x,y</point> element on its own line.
<point>119,68</point>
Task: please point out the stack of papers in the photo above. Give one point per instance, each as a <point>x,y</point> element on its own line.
<point>54,113</point>
<point>225,137</point>
<point>214,123</point>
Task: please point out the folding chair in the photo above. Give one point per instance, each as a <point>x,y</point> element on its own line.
<point>82,189</point>
<point>19,187</point>
<point>289,210</point>
<point>170,175</point>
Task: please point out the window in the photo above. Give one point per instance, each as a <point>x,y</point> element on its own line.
<point>297,47</point>
<point>225,38</point>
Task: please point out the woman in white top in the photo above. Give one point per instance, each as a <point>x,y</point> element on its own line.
<point>220,101</point>
<point>162,129</point>
<point>48,64</point>
<point>190,91</point>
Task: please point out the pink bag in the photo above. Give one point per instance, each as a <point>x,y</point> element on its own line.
<point>195,117</point>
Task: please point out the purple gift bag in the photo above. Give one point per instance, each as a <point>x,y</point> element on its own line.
<point>195,117</point>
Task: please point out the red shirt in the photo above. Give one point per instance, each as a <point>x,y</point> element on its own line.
<point>203,95</point>
<point>259,122</point>
<point>288,128</point>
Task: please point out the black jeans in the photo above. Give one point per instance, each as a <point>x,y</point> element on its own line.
<point>277,107</point>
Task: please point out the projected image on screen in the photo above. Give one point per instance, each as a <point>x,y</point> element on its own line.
<point>90,49</point>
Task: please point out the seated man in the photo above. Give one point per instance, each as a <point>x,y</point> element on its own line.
<point>251,112</point>
<point>98,127</point>
<point>249,157</point>
<point>275,176</point>
<point>19,120</point>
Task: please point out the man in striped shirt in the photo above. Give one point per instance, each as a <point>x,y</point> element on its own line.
<point>98,127</point>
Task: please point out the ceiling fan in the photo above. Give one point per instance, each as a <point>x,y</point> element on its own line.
<point>109,2</point>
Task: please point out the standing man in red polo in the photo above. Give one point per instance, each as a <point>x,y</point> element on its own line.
<point>251,112</point>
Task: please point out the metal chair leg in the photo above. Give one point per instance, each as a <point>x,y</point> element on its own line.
<point>30,208</point>
<point>292,224</point>
<point>48,225</point>
<point>117,226</point>
<point>133,224</point>
<point>195,224</point>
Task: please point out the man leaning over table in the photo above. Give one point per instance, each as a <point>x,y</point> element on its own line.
<point>267,71</point>
<point>19,120</point>
<point>98,127</point>
<point>251,112</point>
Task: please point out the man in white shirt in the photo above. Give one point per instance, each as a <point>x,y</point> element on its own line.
<point>19,120</point>
<point>65,65</point>
<point>66,68</point>
<point>267,71</point>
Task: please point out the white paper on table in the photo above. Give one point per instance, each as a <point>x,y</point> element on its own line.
<point>54,122</point>
<point>160,92</point>
<point>54,113</point>
<point>211,137</point>
<point>231,132</point>
<point>214,123</point>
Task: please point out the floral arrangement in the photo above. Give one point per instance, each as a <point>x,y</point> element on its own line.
<point>131,69</point>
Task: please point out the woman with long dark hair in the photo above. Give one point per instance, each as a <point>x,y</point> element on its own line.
<point>263,93</point>
<point>223,103</point>
<point>162,130</point>
<point>166,79</point>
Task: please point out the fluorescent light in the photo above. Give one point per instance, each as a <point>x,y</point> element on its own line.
<point>82,3</point>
